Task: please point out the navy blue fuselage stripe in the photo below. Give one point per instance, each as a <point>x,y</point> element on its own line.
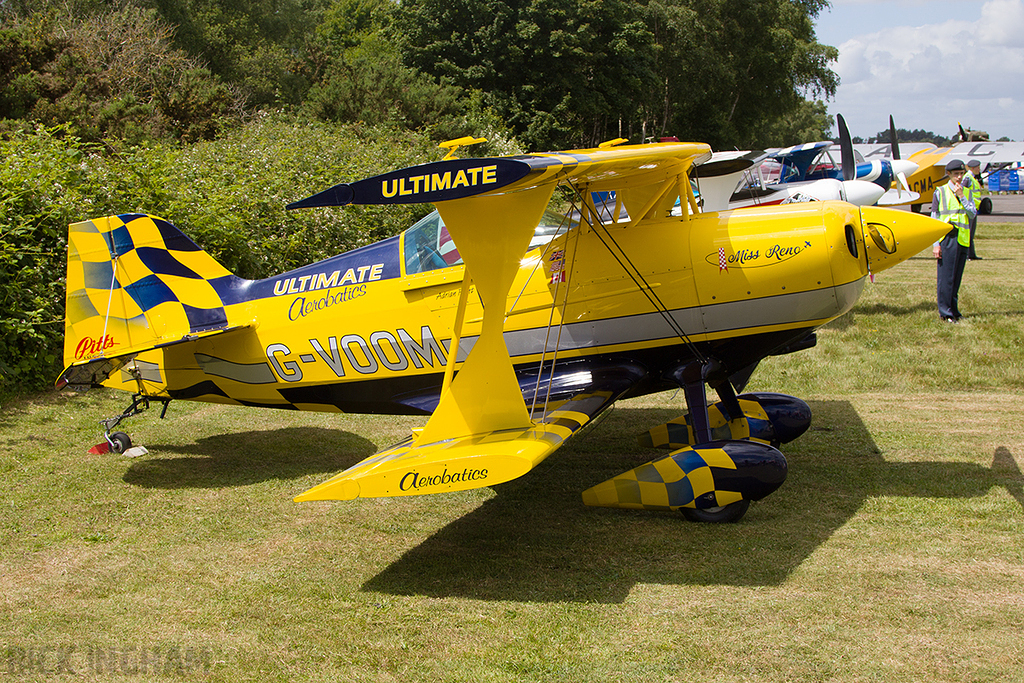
<point>150,292</point>
<point>231,289</point>
<point>384,253</point>
<point>163,262</point>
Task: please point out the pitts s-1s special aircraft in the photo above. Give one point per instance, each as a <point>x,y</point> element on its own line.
<point>510,325</point>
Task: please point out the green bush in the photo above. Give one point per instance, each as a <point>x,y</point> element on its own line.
<point>109,75</point>
<point>228,195</point>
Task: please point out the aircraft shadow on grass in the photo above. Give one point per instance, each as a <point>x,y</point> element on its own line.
<point>250,457</point>
<point>535,540</point>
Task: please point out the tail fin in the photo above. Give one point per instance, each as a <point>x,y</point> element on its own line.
<point>135,282</point>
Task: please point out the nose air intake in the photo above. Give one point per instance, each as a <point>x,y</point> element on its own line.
<point>893,236</point>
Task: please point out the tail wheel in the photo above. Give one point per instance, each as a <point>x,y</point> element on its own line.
<point>726,514</point>
<point>120,442</point>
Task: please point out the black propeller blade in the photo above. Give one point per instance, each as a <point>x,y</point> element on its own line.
<point>892,139</point>
<point>846,148</point>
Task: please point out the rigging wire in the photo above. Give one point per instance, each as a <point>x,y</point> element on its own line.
<point>551,316</point>
<point>638,278</point>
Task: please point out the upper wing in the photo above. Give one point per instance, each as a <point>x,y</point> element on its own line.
<point>491,207</point>
<point>989,152</point>
<point>883,150</point>
<point>720,176</point>
<point>992,153</point>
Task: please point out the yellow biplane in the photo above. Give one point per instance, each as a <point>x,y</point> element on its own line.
<point>510,324</point>
<point>931,161</point>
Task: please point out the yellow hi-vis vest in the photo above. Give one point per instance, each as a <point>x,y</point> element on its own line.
<point>974,189</point>
<point>952,211</point>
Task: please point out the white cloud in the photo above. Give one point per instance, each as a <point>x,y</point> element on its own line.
<point>1002,24</point>
<point>937,74</point>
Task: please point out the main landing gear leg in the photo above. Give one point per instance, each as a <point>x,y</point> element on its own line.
<point>707,480</point>
<point>120,442</point>
<point>692,378</point>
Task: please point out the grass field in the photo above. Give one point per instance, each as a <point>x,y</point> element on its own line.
<point>894,551</point>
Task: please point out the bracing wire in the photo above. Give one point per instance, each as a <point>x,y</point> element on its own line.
<point>638,279</point>
<point>551,316</point>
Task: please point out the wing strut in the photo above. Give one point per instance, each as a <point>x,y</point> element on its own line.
<point>561,317</point>
<point>460,318</point>
<point>485,395</point>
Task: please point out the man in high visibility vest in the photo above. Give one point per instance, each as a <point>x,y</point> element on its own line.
<point>972,181</point>
<point>952,204</point>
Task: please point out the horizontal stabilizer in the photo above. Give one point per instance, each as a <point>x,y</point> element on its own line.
<point>91,373</point>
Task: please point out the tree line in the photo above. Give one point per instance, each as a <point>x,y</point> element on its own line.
<point>217,113</point>
<point>556,73</point>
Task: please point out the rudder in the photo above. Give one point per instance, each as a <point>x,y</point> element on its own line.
<point>135,282</point>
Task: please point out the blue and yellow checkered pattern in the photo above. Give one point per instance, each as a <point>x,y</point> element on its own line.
<point>129,278</point>
<point>711,475</point>
<point>683,478</point>
<point>754,425</point>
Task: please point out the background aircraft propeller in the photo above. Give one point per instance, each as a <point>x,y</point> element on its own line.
<point>900,169</point>
<point>846,150</point>
<point>893,140</point>
<point>859,192</point>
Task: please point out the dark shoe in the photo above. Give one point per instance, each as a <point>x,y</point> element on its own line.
<point>948,319</point>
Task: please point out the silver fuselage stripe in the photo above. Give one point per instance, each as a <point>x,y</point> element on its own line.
<point>784,309</point>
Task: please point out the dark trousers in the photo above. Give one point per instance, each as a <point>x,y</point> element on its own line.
<point>950,273</point>
<point>974,227</point>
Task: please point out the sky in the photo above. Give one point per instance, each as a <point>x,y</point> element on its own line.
<point>929,63</point>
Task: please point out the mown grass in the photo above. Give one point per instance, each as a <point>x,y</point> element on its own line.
<point>893,552</point>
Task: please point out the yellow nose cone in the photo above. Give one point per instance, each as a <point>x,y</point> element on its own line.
<point>893,236</point>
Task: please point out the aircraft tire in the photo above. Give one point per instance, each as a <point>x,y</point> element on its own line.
<point>121,442</point>
<point>726,514</point>
<point>985,206</point>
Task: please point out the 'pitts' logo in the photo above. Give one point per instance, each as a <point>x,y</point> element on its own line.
<point>754,258</point>
<point>90,347</point>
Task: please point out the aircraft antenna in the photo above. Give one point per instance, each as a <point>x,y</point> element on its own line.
<point>638,278</point>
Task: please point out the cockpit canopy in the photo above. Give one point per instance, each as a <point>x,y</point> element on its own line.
<point>428,246</point>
